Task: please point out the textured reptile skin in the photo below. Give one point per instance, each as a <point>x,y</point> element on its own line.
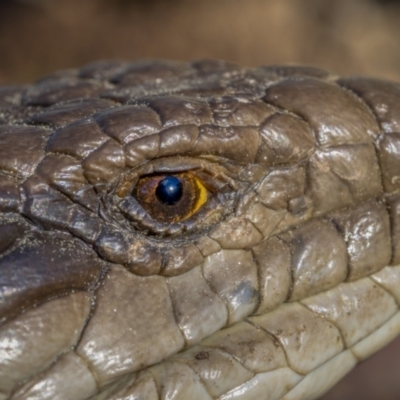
<point>275,288</point>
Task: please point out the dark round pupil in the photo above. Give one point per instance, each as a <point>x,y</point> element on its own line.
<point>169,191</point>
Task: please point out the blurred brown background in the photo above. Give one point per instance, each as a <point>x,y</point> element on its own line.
<point>345,36</point>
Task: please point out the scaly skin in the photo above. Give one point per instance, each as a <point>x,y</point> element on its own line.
<point>285,278</point>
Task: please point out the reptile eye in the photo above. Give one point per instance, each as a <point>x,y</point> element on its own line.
<point>171,198</point>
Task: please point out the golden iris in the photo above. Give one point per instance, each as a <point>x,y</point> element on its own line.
<point>171,197</point>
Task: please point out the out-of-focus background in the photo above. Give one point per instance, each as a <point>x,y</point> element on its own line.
<point>345,36</point>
